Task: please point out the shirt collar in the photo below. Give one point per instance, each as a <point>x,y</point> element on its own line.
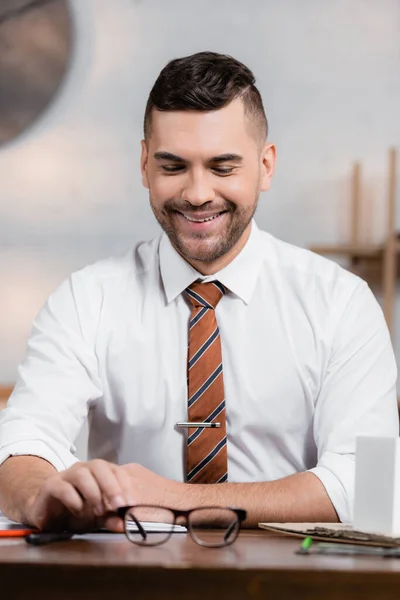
<point>239,276</point>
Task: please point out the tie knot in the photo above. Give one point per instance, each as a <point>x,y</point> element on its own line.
<point>205,294</point>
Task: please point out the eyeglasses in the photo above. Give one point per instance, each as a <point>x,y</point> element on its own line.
<point>213,527</point>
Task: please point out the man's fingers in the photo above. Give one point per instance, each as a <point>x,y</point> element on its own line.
<point>88,487</point>
<point>126,486</point>
<point>114,523</point>
<point>112,493</point>
<point>85,491</point>
<point>65,493</point>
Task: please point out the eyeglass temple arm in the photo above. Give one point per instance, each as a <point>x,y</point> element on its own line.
<point>139,526</point>
<point>231,528</point>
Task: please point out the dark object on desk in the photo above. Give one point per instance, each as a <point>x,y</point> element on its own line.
<point>41,538</point>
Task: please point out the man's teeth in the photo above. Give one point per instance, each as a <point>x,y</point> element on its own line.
<point>202,220</point>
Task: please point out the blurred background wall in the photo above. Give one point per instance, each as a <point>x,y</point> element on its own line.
<point>70,188</point>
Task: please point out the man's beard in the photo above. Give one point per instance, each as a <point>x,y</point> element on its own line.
<point>204,246</point>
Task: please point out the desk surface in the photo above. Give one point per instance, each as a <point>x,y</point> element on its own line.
<point>258,565</point>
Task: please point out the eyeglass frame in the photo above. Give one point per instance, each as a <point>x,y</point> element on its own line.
<point>241,515</point>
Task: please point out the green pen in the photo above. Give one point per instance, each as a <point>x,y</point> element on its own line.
<point>305,546</point>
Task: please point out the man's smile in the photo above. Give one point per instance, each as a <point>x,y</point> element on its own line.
<point>205,222</point>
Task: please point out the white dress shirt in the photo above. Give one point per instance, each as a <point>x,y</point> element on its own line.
<point>307,358</point>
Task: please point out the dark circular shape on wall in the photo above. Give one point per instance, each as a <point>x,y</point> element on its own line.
<point>35,50</point>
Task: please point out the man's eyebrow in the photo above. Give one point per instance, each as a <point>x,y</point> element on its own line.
<point>168,156</point>
<point>227,158</point>
<point>221,158</point>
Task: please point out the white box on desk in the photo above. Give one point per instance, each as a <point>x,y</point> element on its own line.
<point>377,485</point>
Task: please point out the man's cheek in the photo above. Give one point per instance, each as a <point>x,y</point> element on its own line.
<point>164,190</point>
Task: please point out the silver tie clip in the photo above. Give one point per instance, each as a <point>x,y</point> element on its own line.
<point>184,424</point>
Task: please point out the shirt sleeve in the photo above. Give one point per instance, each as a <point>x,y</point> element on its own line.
<point>57,382</point>
<point>357,397</point>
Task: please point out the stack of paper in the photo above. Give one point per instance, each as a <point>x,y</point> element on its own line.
<point>151,527</point>
<point>332,532</point>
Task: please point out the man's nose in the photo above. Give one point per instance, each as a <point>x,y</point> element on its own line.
<point>198,190</point>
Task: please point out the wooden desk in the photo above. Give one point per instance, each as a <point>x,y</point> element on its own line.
<point>258,565</point>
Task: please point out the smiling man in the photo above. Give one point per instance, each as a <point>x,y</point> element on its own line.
<point>219,366</point>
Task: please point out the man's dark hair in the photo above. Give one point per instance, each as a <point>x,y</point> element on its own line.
<point>206,81</point>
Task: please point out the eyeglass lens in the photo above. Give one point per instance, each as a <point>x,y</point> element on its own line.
<point>213,527</point>
<point>141,522</point>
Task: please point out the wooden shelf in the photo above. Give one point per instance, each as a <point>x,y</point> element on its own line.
<point>367,251</point>
<point>363,256</point>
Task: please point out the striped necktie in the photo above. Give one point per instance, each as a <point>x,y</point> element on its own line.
<point>207,460</point>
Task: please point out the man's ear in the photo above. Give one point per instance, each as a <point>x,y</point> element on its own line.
<point>268,159</point>
<point>143,164</point>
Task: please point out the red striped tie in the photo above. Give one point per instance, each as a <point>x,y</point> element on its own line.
<point>207,460</point>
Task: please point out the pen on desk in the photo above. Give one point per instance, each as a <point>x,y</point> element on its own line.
<point>42,537</point>
<point>305,546</point>
<point>353,549</point>
<point>7,533</point>
<point>340,549</point>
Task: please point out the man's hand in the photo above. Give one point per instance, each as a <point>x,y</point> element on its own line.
<point>84,496</point>
<point>80,496</point>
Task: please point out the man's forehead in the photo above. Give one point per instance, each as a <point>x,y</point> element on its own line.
<point>228,120</point>
<point>212,132</point>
